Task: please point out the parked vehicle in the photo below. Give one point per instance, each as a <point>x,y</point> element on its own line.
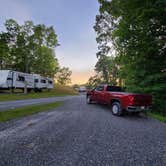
<point>82,89</point>
<point>118,100</point>
<point>17,80</point>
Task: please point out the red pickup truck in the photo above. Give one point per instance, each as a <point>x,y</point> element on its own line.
<point>118,100</point>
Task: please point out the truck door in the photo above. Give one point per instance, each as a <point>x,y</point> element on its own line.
<point>98,93</point>
<point>106,96</point>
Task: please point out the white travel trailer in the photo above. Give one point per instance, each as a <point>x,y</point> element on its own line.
<point>39,82</point>
<point>16,80</point>
<point>6,79</point>
<point>50,83</point>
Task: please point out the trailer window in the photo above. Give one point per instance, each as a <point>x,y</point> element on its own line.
<point>36,80</point>
<point>43,81</point>
<point>9,78</point>
<point>50,82</point>
<point>21,78</point>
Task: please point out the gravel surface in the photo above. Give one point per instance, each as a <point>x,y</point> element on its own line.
<point>77,134</point>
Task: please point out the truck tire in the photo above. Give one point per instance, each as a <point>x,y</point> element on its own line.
<point>116,109</point>
<point>88,99</point>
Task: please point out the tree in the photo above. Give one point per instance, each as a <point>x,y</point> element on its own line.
<point>106,65</point>
<point>5,60</point>
<point>138,36</point>
<point>46,64</point>
<point>28,48</point>
<point>94,81</point>
<point>103,28</point>
<point>108,68</point>
<point>63,76</point>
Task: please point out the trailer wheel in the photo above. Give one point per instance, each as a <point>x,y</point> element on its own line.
<point>35,90</point>
<point>29,90</point>
<point>116,109</point>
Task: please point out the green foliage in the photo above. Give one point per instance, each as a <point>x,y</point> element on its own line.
<point>28,48</point>
<point>157,116</point>
<point>27,110</point>
<point>48,63</point>
<point>63,76</point>
<point>108,69</point>
<point>106,65</point>
<point>5,58</point>
<point>137,31</point>
<point>94,81</point>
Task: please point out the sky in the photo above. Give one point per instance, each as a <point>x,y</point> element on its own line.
<point>73,21</point>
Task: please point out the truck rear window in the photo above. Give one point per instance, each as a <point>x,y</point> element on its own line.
<point>114,89</point>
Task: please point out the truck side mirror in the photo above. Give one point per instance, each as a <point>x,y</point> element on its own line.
<point>93,90</point>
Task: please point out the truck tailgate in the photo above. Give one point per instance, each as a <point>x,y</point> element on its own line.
<point>142,99</point>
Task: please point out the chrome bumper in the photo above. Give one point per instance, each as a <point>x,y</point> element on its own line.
<point>138,108</point>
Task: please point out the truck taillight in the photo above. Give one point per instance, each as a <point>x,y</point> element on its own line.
<point>131,99</point>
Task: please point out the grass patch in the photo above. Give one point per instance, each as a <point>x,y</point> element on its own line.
<point>57,91</point>
<point>157,116</point>
<point>27,110</point>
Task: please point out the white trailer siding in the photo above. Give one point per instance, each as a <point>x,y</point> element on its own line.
<point>5,79</point>
<point>50,84</point>
<point>43,82</point>
<point>36,81</point>
<point>20,80</point>
<point>40,82</point>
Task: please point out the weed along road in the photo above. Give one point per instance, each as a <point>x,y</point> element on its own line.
<point>78,134</point>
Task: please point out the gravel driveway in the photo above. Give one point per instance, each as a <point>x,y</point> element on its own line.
<point>77,134</point>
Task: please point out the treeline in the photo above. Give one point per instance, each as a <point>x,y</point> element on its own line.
<point>131,37</point>
<point>30,48</point>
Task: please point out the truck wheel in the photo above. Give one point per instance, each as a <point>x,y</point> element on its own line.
<point>88,99</point>
<point>116,109</point>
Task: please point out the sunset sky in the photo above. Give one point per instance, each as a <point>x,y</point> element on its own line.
<point>73,22</point>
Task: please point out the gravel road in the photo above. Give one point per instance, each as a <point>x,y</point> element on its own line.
<point>77,134</point>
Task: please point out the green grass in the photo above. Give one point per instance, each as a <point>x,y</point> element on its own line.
<point>27,110</point>
<point>157,116</point>
<point>57,91</point>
